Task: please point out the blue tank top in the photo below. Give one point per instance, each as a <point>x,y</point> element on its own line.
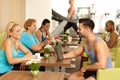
<point>4,65</point>
<point>28,40</point>
<point>92,55</point>
<point>43,38</point>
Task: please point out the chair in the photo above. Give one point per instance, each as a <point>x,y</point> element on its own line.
<point>103,35</point>
<point>117,43</point>
<point>1,36</point>
<point>111,73</point>
<point>113,50</point>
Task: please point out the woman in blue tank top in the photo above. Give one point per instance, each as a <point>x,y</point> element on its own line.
<point>43,33</point>
<point>10,48</point>
<point>28,38</point>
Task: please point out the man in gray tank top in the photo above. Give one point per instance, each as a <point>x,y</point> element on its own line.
<point>95,48</point>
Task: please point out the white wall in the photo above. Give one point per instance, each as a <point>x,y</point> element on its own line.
<point>20,10</point>
<point>11,10</point>
<point>39,10</point>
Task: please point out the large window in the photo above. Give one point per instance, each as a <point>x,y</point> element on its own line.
<point>103,10</point>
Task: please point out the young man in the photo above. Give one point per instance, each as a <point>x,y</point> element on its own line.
<point>112,35</point>
<point>95,48</point>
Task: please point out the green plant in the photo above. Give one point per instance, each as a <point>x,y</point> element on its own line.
<point>47,49</point>
<point>67,32</point>
<point>57,42</point>
<point>65,37</point>
<point>34,65</point>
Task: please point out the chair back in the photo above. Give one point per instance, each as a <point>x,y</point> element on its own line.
<point>117,58</point>
<point>1,36</point>
<point>117,43</point>
<point>103,35</point>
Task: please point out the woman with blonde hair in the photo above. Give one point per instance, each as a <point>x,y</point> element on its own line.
<point>10,48</point>
<point>71,15</point>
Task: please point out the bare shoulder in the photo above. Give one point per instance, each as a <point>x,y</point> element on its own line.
<point>38,32</point>
<point>83,42</point>
<point>8,41</point>
<point>71,8</point>
<point>101,45</point>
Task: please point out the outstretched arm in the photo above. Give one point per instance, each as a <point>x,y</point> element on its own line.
<point>75,52</point>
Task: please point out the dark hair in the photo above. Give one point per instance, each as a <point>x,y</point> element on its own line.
<point>45,21</point>
<point>87,22</point>
<point>110,22</point>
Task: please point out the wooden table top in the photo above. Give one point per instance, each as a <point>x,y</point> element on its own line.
<point>73,43</point>
<point>65,49</point>
<point>53,62</point>
<point>26,75</point>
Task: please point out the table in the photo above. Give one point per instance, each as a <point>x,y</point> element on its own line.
<point>73,43</point>
<point>52,62</point>
<point>65,49</point>
<point>26,75</point>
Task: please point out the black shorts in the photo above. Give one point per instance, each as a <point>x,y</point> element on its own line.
<point>90,73</point>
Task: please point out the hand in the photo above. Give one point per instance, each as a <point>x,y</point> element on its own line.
<point>83,69</point>
<point>22,66</point>
<point>48,41</point>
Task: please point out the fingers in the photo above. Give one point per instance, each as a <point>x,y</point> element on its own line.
<point>22,67</point>
<point>83,69</point>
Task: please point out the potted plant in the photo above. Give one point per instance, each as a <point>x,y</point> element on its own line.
<point>34,67</point>
<point>67,32</point>
<point>47,52</point>
<point>58,50</point>
<point>65,38</point>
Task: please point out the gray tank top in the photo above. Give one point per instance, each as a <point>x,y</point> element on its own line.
<point>73,16</point>
<point>92,55</point>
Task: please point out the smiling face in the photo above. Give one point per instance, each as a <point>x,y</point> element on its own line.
<point>81,30</point>
<point>16,32</point>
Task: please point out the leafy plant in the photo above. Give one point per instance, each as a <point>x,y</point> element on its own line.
<point>34,65</point>
<point>47,49</point>
<point>65,37</point>
<point>67,32</point>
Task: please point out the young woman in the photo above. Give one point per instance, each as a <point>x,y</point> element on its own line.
<point>28,38</point>
<point>10,48</point>
<point>43,33</point>
<point>71,15</point>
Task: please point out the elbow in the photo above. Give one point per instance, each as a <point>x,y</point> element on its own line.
<point>10,62</point>
<point>102,66</point>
